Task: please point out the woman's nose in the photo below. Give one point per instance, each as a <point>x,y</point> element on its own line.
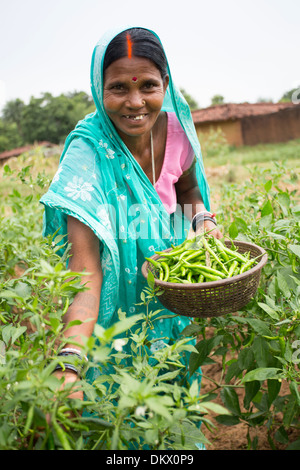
<point>135,100</point>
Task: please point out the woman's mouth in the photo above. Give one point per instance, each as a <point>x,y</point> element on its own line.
<point>137,117</point>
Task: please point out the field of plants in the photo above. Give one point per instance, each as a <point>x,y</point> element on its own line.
<point>249,359</point>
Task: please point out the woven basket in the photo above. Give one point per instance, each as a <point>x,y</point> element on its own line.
<point>216,298</point>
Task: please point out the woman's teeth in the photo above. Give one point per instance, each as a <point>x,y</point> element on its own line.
<point>136,118</point>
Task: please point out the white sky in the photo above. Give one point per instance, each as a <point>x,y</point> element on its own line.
<point>243,50</point>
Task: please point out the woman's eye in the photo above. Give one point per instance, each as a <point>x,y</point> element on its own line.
<point>149,86</point>
<point>117,87</point>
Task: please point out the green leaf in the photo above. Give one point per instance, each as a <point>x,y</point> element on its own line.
<point>260,349</point>
<point>294,390</point>
<point>273,390</point>
<point>270,311</point>
<point>283,286</point>
<point>284,202</point>
<point>268,185</point>
<point>215,407</point>
<point>292,410</point>
<point>240,224</point>
<point>245,358</point>
<point>231,400</point>
<point>155,404</point>
<point>294,445</point>
<point>233,230</point>
<point>267,209</point>
<point>227,420</point>
<point>191,330</point>
<point>259,326</point>
<point>204,348</point>
<point>150,279</point>
<point>262,373</point>
<point>12,333</point>
<point>251,389</point>
<point>295,249</point>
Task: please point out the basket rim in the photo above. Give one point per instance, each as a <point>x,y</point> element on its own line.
<point>209,285</point>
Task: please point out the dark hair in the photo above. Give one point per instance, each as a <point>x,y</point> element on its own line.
<point>143,43</point>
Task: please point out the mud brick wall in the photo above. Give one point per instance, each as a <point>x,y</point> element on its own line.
<point>281,126</point>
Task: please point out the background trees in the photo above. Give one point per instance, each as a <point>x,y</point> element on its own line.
<point>47,118</point>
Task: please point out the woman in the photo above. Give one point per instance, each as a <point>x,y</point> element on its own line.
<point>138,153</point>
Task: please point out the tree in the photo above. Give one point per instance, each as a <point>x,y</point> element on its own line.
<point>12,113</point>
<point>217,99</point>
<point>48,117</point>
<point>9,136</point>
<point>190,100</point>
<point>291,95</point>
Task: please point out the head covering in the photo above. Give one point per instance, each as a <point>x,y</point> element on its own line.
<point>100,183</point>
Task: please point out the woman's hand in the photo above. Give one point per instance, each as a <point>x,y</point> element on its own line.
<point>208,227</point>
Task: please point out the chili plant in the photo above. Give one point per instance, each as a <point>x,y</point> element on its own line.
<point>259,346</point>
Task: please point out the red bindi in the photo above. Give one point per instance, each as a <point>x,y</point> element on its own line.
<point>134,79</point>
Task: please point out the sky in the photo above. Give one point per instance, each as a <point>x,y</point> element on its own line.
<point>242,50</point>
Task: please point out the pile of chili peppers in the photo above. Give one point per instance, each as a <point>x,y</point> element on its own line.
<point>202,259</point>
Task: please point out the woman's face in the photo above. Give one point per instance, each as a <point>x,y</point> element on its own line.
<point>133,95</point>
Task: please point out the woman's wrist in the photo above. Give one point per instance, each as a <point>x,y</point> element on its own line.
<point>202,216</point>
<point>71,360</point>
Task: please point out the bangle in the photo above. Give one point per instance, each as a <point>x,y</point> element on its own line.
<point>67,352</point>
<point>77,352</point>
<point>68,366</point>
<point>201,217</point>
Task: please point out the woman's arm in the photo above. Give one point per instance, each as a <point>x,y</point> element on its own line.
<point>190,199</point>
<point>84,257</point>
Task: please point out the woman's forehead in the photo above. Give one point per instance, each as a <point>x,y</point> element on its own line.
<point>131,67</point>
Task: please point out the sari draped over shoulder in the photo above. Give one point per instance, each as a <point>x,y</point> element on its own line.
<point>99,182</point>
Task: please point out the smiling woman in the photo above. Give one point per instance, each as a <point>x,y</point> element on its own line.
<point>137,154</point>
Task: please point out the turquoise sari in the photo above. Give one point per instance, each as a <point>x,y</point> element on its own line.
<point>99,182</point>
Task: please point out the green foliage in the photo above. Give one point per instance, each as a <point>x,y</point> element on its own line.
<point>190,100</point>
<point>217,99</point>
<point>134,405</point>
<point>214,144</point>
<point>48,118</point>
<point>259,346</point>
<point>290,95</point>
<point>9,136</point>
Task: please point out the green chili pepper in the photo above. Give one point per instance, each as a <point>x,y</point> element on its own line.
<point>232,268</point>
<point>2,319</point>
<point>155,263</point>
<point>61,435</point>
<point>66,306</point>
<point>176,267</point>
<point>29,419</point>
<point>220,248</point>
<point>72,424</point>
<point>206,269</point>
<point>213,254</point>
<point>211,277</point>
<point>282,344</point>
<point>189,256</point>
<point>250,341</point>
<point>166,271</point>
<point>171,253</point>
<point>235,254</point>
